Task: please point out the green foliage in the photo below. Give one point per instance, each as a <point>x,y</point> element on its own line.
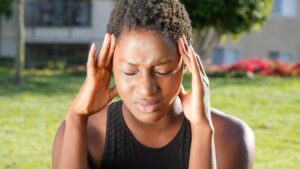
<point>6,7</point>
<point>228,16</point>
<point>6,62</point>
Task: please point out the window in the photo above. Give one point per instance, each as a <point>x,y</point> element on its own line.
<point>52,55</point>
<point>218,57</point>
<point>285,8</point>
<point>58,13</point>
<point>224,56</point>
<point>283,56</point>
<point>276,7</point>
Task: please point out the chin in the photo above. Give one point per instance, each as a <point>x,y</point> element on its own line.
<point>148,114</point>
<point>149,118</point>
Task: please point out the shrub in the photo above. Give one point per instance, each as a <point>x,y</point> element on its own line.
<point>295,71</point>
<point>255,66</point>
<point>252,65</point>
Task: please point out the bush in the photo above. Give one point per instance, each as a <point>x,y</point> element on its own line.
<point>295,71</point>
<point>6,62</point>
<point>255,66</point>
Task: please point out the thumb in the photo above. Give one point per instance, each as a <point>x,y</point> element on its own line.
<point>113,92</point>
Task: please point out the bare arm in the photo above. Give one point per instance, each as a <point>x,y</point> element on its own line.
<point>70,148</point>
<point>201,151</point>
<point>57,145</point>
<point>73,146</point>
<point>235,142</point>
<point>196,106</point>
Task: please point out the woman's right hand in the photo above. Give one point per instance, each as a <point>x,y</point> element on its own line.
<point>95,94</point>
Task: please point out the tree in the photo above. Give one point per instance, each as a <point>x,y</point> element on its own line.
<point>20,58</point>
<point>212,19</point>
<point>5,8</point>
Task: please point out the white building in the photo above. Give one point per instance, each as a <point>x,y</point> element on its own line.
<point>56,28</point>
<point>279,38</point>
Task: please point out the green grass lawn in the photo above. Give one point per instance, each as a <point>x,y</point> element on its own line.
<point>31,113</point>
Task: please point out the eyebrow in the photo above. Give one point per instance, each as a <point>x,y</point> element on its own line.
<point>160,63</point>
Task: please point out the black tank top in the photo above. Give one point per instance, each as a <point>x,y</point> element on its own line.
<point>123,151</point>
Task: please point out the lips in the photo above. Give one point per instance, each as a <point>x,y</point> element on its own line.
<point>148,106</point>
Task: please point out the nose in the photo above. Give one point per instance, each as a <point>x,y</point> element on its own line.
<point>147,85</point>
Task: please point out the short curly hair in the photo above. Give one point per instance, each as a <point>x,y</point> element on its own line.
<point>166,17</point>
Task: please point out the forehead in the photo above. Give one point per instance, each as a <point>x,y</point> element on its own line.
<point>145,47</point>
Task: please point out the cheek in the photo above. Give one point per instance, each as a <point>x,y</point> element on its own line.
<point>119,82</point>
<point>124,86</point>
<point>175,82</point>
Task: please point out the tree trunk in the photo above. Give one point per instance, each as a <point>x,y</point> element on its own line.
<point>206,41</point>
<point>20,58</point>
<point>0,35</point>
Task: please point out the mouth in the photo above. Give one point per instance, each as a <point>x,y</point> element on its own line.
<point>148,106</point>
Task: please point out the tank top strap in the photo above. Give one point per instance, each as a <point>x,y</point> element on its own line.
<point>114,131</point>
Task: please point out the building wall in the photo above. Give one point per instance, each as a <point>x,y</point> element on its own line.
<point>279,33</point>
<point>100,15</point>
<point>7,37</point>
<point>59,35</point>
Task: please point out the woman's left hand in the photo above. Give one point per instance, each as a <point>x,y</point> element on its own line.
<point>196,103</point>
<point>196,107</point>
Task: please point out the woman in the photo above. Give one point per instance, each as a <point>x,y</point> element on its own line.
<point>156,124</point>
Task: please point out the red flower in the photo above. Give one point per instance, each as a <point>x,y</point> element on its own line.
<point>260,66</point>
<point>253,65</point>
<point>295,71</point>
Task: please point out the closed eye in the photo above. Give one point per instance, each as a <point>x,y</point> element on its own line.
<point>164,73</point>
<point>130,74</point>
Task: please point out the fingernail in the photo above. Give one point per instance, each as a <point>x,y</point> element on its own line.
<point>105,37</point>
<point>113,36</point>
<point>92,45</point>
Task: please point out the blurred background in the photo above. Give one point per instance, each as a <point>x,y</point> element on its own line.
<point>251,51</point>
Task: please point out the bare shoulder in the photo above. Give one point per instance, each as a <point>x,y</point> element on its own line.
<point>234,140</point>
<point>96,130</point>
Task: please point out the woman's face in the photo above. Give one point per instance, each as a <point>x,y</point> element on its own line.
<point>148,72</point>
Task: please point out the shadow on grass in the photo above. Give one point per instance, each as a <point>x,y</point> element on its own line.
<point>53,84</point>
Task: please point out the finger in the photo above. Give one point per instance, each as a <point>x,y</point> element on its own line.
<point>111,51</point>
<point>104,51</point>
<point>196,73</point>
<point>113,92</point>
<point>183,53</point>
<point>203,75</point>
<point>91,56</point>
<point>185,41</point>
<point>199,63</point>
<point>193,59</point>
